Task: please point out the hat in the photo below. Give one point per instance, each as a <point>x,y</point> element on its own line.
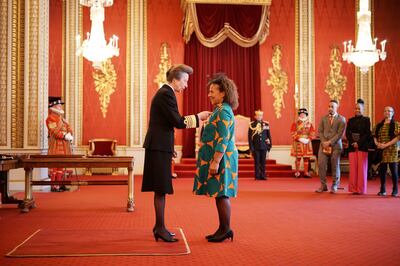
<point>302,111</point>
<point>259,112</point>
<point>54,101</point>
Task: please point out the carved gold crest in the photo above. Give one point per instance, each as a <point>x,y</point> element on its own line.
<point>105,81</point>
<point>335,82</point>
<point>165,64</point>
<point>278,80</point>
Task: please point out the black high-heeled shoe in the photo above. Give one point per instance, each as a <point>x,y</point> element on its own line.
<point>170,233</point>
<point>169,240</point>
<point>210,236</point>
<point>227,235</point>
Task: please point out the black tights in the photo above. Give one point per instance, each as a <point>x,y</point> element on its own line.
<point>395,178</point>
<point>224,214</point>
<point>159,207</point>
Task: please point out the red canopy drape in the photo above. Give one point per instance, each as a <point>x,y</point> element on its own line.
<point>240,64</point>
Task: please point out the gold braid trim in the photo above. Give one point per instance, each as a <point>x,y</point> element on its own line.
<point>256,130</point>
<point>190,121</point>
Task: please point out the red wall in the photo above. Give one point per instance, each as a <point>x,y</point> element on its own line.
<point>163,28</point>
<point>114,124</point>
<point>55,47</point>
<point>387,73</point>
<point>334,24</point>
<point>282,31</point>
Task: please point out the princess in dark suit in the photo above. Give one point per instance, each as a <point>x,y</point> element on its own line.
<point>358,133</point>
<point>159,143</point>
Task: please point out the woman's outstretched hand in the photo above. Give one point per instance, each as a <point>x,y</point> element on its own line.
<point>204,115</point>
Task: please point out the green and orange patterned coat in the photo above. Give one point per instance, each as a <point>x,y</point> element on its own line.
<point>218,135</point>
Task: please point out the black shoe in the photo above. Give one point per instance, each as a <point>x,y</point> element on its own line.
<point>394,194</point>
<point>381,194</point>
<point>170,233</point>
<point>227,235</point>
<point>165,239</point>
<point>211,236</point>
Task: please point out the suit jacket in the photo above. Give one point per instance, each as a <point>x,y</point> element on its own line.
<point>164,116</point>
<point>333,133</point>
<point>360,125</point>
<point>257,140</point>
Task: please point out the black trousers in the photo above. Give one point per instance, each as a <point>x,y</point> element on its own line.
<point>395,176</point>
<point>259,163</point>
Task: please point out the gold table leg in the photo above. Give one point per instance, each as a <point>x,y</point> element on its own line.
<point>29,202</point>
<point>131,202</point>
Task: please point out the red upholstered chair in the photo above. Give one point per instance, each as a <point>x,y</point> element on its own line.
<point>102,147</point>
<point>241,135</point>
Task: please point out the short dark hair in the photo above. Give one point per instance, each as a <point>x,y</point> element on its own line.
<point>360,101</point>
<point>176,71</point>
<point>228,86</point>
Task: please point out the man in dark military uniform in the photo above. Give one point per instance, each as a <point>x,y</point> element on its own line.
<point>259,143</point>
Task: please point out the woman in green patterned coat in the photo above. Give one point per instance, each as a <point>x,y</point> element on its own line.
<point>386,136</point>
<point>217,163</point>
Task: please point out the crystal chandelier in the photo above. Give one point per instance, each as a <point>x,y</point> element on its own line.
<point>95,48</point>
<point>365,54</point>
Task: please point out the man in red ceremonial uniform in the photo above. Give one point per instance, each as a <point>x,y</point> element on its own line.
<point>60,138</point>
<point>302,132</point>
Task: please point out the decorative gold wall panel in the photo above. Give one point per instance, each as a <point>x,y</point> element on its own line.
<point>3,72</point>
<point>33,48</point>
<point>335,81</point>
<point>278,80</point>
<point>136,72</point>
<point>164,65</point>
<point>128,73</point>
<point>17,73</point>
<point>73,70</point>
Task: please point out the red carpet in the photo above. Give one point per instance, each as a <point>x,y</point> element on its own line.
<point>187,167</point>
<point>276,222</point>
<point>64,243</point>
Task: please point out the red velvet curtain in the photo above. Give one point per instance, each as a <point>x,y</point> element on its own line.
<point>240,64</point>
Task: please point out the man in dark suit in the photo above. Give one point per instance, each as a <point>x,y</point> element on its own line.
<point>330,130</point>
<point>159,142</point>
<point>260,143</point>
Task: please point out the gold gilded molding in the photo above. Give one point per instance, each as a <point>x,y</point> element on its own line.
<point>335,81</point>
<point>63,38</point>
<point>278,80</point>
<point>136,72</point>
<point>129,18</point>
<point>17,73</point>
<point>73,92</point>
<point>165,64</point>
<point>33,48</point>
<point>105,81</point>
<point>3,72</point>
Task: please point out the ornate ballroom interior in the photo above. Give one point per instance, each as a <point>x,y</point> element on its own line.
<point>106,64</point>
<point>290,57</point>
